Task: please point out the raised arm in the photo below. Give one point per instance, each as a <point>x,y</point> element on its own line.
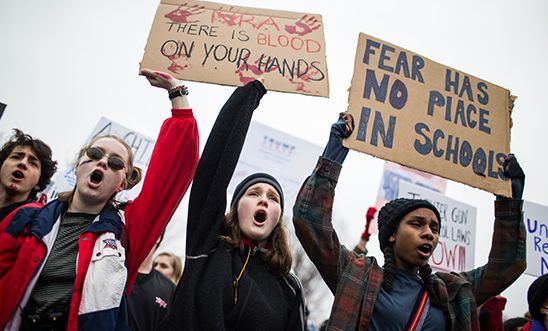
<point>219,158</point>
<point>507,256</point>
<point>169,174</point>
<point>361,246</point>
<point>312,212</point>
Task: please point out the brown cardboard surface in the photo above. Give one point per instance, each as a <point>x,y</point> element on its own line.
<point>229,45</point>
<point>399,100</point>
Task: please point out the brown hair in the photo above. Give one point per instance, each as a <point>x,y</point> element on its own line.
<point>133,175</point>
<point>278,257</point>
<point>176,263</point>
<point>42,151</point>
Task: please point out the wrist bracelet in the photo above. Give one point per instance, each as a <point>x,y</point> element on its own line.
<point>177,91</point>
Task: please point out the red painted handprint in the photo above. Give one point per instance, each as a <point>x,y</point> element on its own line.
<point>249,67</point>
<point>176,68</point>
<point>305,25</point>
<point>183,13</point>
<point>305,78</point>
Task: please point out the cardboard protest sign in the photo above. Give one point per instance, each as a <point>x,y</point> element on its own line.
<point>141,145</point>
<point>284,156</point>
<point>224,44</point>
<point>424,115</point>
<point>536,225</point>
<point>456,247</point>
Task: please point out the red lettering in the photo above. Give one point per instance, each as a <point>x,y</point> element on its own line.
<point>261,38</point>
<point>299,40</point>
<point>447,259</point>
<point>284,43</point>
<point>269,21</point>
<point>310,43</point>
<point>249,20</point>
<point>295,42</point>
<point>237,19</point>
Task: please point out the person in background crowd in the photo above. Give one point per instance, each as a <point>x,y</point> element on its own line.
<point>403,294</point>
<point>237,269</point>
<point>361,246</point>
<point>70,264</point>
<point>537,298</point>
<point>515,324</point>
<point>490,315</point>
<point>170,265</point>
<point>26,169</point>
<point>150,297</point>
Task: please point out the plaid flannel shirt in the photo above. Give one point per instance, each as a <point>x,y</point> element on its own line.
<point>355,279</point>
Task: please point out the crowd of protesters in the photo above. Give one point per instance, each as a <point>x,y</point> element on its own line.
<point>85,261</point>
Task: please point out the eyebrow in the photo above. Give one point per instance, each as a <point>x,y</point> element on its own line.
<point>272,191</point>
<point>424,219</point>
<point>30,155</point>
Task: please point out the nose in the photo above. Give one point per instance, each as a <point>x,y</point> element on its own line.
<point>23,164</point>
<point>427,233</point>
<point>263,200</point>
<point>103,161</point>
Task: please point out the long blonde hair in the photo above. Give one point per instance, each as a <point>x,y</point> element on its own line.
<point>133,175</point>
<point>278,257</point>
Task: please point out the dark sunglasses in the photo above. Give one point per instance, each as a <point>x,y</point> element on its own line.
<point>114,162</point>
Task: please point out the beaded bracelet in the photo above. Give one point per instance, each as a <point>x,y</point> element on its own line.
<point>178,91</point>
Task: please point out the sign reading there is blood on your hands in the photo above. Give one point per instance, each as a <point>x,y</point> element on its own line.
<point>229,45</point>
<point>421,114</point>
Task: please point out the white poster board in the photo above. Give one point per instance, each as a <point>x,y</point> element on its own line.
<point>535,217</point>
<point>289,159</point>
<point>456,247</point>
<point>141,145</point>
<point>393,174</point>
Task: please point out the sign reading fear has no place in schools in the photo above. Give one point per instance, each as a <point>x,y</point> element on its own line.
<point>424,115</point>
<point>223,44</point>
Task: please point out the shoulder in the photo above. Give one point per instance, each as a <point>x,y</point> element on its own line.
<point>24,215</point>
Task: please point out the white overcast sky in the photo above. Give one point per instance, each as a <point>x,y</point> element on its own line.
<point>64,64</point>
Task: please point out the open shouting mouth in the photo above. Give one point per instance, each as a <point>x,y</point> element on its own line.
<point>260,217</point>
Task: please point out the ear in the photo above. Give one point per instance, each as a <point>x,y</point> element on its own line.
<point>122,186</point>
<point>544,307</point>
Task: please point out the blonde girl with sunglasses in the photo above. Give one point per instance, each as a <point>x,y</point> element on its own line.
<point>70,264</point>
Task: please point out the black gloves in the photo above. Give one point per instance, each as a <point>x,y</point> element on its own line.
<point>334,149</point>
<point>513,171</point>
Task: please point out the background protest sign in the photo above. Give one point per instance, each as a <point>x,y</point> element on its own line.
<point>456,247</point>
<point>216,43</point>
<point>141,145</point>
<point>535,217</point>
<point>2,108</point>
<point>389,187</point>
<point>424,115</point>
<point>286,157</point>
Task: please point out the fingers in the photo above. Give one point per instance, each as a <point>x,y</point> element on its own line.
<point>512,168</point>
<point>146,72</point>
<point>349,122</point>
